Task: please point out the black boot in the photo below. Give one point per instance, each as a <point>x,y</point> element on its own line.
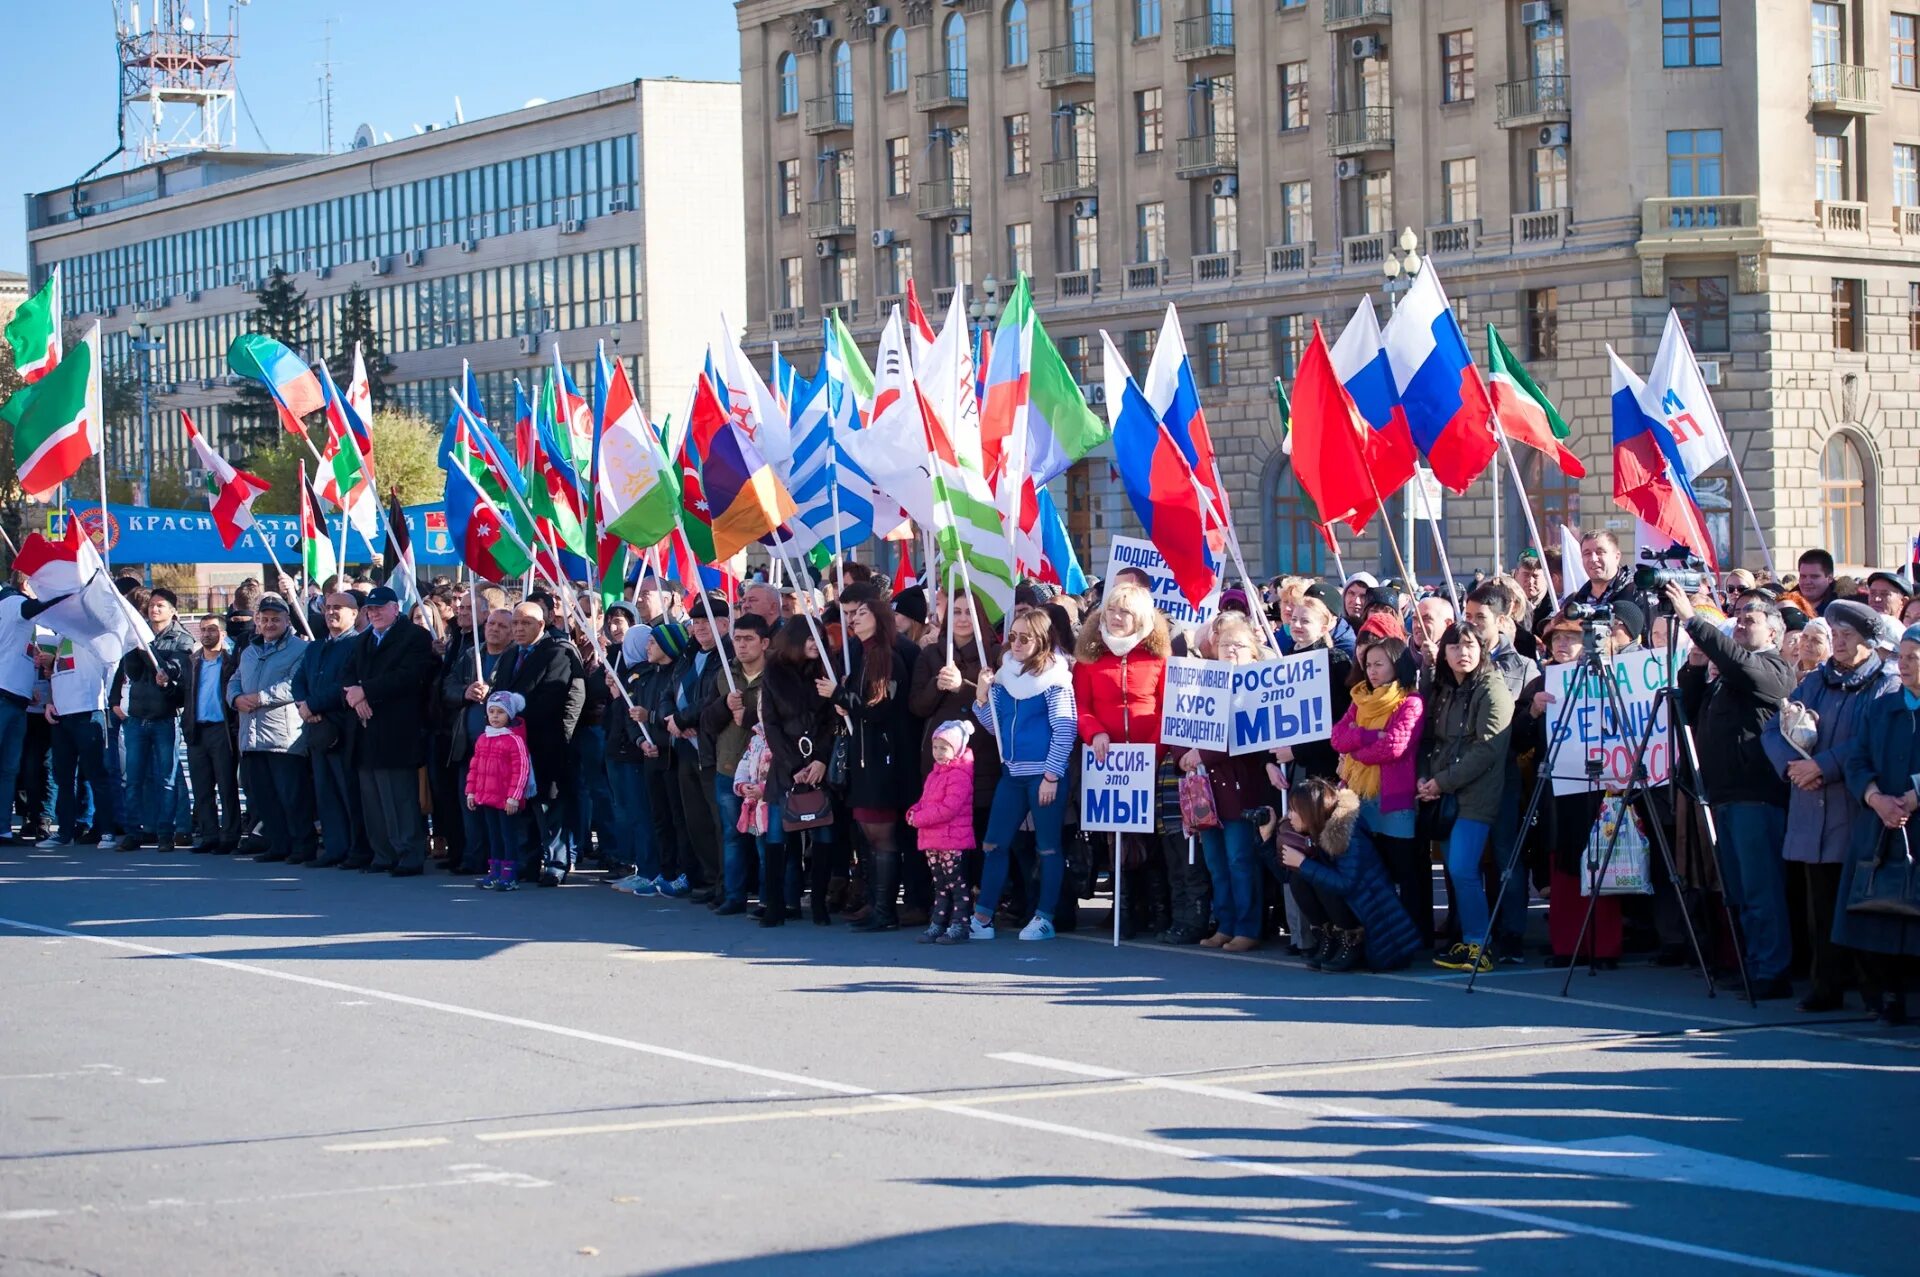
<point>885,876</point>
<point>1345,951</point>
<point>1314,947</point>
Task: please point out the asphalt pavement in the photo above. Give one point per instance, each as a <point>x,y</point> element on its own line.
<point>211,1066</point>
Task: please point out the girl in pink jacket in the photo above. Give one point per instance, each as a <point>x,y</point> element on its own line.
<point>944,819</point>
<point>499,778</point>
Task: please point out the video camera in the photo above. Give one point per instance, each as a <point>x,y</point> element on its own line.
<point>1676,564</point>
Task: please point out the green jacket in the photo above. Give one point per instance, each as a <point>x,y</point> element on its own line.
<point>1465,750</point>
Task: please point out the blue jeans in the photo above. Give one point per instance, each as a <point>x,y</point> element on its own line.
<point>632,804</point>
<point>1512,922</point>
<point>150,746</point>
<point>80,750</point>
<point>1014,799</point>
<point>1465,846</point>
<point>1233,862</point>
<point>735,847</point>
<point>1756,884</point>
<point>13,742</point>
<point>592,804</point>
<point>503,834</point>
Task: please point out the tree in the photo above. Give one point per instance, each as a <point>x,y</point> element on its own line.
<point>356,325</point>
<point>282,313</point>
<point>406,455</point>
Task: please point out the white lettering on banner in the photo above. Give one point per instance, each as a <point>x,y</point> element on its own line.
<point>1131,552</point>
<point>1117,796</point>
<point>1591,731</point>
<point>1281,702</point>
<point>1195,710</point>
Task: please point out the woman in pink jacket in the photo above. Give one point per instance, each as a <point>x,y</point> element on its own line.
<point>498,778</point>
<point>944,820</point>
<point>1378,741</point>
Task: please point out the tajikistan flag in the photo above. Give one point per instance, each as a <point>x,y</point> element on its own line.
<point>230,492</point>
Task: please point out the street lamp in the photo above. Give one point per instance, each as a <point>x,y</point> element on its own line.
<point>144,343</point>
<point>1400,269</point>
<point>985,309</point>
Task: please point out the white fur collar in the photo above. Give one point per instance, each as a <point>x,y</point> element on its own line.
<point>1020,684</point>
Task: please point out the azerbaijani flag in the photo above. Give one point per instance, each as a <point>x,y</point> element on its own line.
<point>486,515</point>
<point>230,492</point>
<point>34,331</point>
<point>296,391</point>
<point>1523,409</point>
<point>61,426</point>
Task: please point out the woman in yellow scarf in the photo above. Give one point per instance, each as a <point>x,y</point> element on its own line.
<point>1378,740</point>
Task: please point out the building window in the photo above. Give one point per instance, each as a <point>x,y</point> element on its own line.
<point>1149,110</point>
<point>1829,167</point>
<point>1295,112</point>
<point>1075,353</point>
<point>1543,323</point>
<point>1376,202</point>
<point>1906,175</point>
<point>1827,31</point>
<point>1694,162</point>
<point>896,61</point>
<point>1555,498</point>
<point>899,167</point>
<point>1913,316</point>
<point>1084,244</point>
<point>792,286</point>
<point>1288,336</point>
<point>1223,224</point>
<point>954,44</point>
<point>1701,303</point>
<point>1150,232</point>
<point>846,278</point>
<point>1020,249</point>
<point>1140,343</point>
<point>1690,33</point>
<point>896,268</point>
<point>1295,544</point>
<point>1019,131</point>
<point>1901,39</point>
<point>1460,187</point>
<point>1213,354</point>
<point>1146,19</point>
<point>843,82</point>
<point>960,260</point>
<point>1296,212</point>
<point>789,85</point>
<point>1849,318</point>
<point>1456,66</point>
<point>1843,500</point>
<point>1016,33</point>
<point>787,178</point>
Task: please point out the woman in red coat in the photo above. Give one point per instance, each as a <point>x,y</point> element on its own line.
<point>1119,676</point>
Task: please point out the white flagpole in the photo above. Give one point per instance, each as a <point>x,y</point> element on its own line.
<point>1439,545</point>
<point>1526,507</point>
<point>1753,516</point>
<point>298,607</point>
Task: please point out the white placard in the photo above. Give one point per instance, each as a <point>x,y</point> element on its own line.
<point>1129,552</point>
<point>1197,710</point>
<point>1282,702</point>
<point>1591,730</point>
<point>1117,796</point>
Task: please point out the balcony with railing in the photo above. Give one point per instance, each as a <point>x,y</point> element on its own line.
<point>1844,90</point>
<point>1906,220</point>
<point>786,319</point>
<point>1453,239</point>
<point>1543,99</point>
<point>1146,277</point>
<point>1076,285</point>
<point>1344,15</point>
<point>1367,128</point>
<point>937,90</point>
<point>1071,178</point>
<point>1710,222</point>
<point>1066,64</point>
<point>1206,155</point>
<point>1289,259</point>
<point>1363,251</point>
<point>829,113</point>
<point>942,299</point>
<point>1844,216</point>
<point>1209,35</point>
<point>1213,270</point>
<point>943,197</point>
<point>829,217</point>
<point>1544,229</point>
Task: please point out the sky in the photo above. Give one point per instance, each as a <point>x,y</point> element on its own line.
<point>396,63</point>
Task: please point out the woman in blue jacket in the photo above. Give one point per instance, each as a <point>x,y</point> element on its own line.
<point>1029,708</point>
<point>1343,866</point>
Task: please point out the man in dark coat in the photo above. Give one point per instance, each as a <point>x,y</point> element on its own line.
<point>387,679</point>
<point>547,672</point>
<point>330,725</point>
<point>213,756</point>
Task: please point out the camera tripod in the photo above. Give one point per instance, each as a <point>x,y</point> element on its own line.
<point>1593,669</point>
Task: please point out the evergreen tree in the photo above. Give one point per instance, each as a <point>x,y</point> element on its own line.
<point>281,313</point>
<point>356,325</point>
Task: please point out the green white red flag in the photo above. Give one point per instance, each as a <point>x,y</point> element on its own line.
<point>230,492</point>
<point>1523,410</point>
<point>60,428</point>
<point>34,331</point>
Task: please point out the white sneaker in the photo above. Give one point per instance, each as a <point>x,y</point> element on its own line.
<point>108,842</point>
<point>627,883</point>
<point>644,886</point>
<point>979,930</point>
<point>52,843</point>
<point>1038,929</point>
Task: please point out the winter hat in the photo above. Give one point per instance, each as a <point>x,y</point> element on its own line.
<point>1629,616</point>
<point>955,731</point>
<point>1912,634</point>
<point>1235,600</point>
<point>1857,617</point>
<point>1385,625</point>
<point>1365,578</point>
<point>912,604</point>
<point>512,702</point>
<point>633,648</point>
<point>1326,596</point>
<point>672,638</point>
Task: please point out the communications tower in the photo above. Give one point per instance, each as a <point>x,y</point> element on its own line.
<point>176,77</point>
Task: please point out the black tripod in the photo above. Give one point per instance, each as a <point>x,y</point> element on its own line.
<point>1593,671</point>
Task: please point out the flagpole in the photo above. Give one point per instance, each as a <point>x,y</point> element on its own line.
<point>949,588</point>
<point>1526,506</point>
<point>806,610</point>
<point>1499,544</point>
<point>1439,545</point>
<point>1753,516</point>
<point>1339,565</point>
<point>1386,523</point>
<point>980,645</point>
<point>298,607</point>
<point>473,610</point>
<point>700,588</point>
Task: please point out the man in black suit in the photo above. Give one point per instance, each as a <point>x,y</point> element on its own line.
<point>387,679</point>
<point>546,671</point>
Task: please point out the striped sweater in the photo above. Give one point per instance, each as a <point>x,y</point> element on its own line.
<point>1036,721</point>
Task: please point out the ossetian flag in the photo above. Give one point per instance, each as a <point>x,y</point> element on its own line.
<point>1446,402</point>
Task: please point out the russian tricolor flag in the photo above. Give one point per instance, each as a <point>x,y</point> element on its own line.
<point>1160,482</point>
<point>1359,359</point>
<point>1649,478</point>
<point>1446,402</point>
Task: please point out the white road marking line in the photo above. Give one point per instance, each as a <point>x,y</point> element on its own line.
<point>471,1173</point>
<point>665,955</point>
<point>196,917</point>
<point>86,1070</point>
<point>383,1146</point>
<point>1158,1148</point>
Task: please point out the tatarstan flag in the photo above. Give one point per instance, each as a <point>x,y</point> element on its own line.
<point>1523,409</point>
<point>60,427</point>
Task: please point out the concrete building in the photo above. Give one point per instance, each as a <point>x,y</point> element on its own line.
<point>613,215</point>
<point>1573,167</point>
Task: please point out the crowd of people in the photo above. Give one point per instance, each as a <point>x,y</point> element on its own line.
<point>895,761</point>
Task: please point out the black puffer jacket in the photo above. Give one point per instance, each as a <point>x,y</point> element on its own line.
<point>173,648</point>
<point>1730,712</point>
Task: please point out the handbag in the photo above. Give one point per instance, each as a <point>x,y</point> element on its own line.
<point>1887,884</point>
<point>806,807</point>
<point>1629,871</point>
<point>1197,810</point>
<point>839,760</point>
<point>1435,823</point>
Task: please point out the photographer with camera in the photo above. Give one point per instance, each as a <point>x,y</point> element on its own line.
<point>1730,712</point>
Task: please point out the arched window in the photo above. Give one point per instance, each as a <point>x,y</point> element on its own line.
<point>1844,512</point>
<point>789,84</point>
<point>843,76</point>
<point>1016,33</point>
<point>896,61</point>
<point>1294,544</point>
<point>956,43</point>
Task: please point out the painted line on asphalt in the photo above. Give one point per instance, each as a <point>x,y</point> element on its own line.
<point>472,1173</point>
<point>383,1146</point>
<point>1529,1219</point>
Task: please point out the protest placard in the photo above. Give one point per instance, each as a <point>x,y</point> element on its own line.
<point>1117,796</point>
<point>1591,731</point>
<point>1281,702</point>
<point>1128,552</point>
<point>1196,711</point>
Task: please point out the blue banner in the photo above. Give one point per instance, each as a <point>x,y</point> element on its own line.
<point>132,534</point>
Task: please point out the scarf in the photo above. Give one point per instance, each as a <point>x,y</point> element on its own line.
<point>1372,708</point>
<point>1119,644</point>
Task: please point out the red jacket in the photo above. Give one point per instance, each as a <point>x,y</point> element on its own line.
<point>500,768</point>
<point>1120,695</point>
<point>944,815</point>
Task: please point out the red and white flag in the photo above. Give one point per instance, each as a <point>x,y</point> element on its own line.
<point>230,492</point>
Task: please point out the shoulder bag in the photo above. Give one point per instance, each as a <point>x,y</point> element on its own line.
<point>1886,883</point>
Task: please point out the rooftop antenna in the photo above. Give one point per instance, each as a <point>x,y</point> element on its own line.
<point>177,88</point>
<point>326,83</point>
